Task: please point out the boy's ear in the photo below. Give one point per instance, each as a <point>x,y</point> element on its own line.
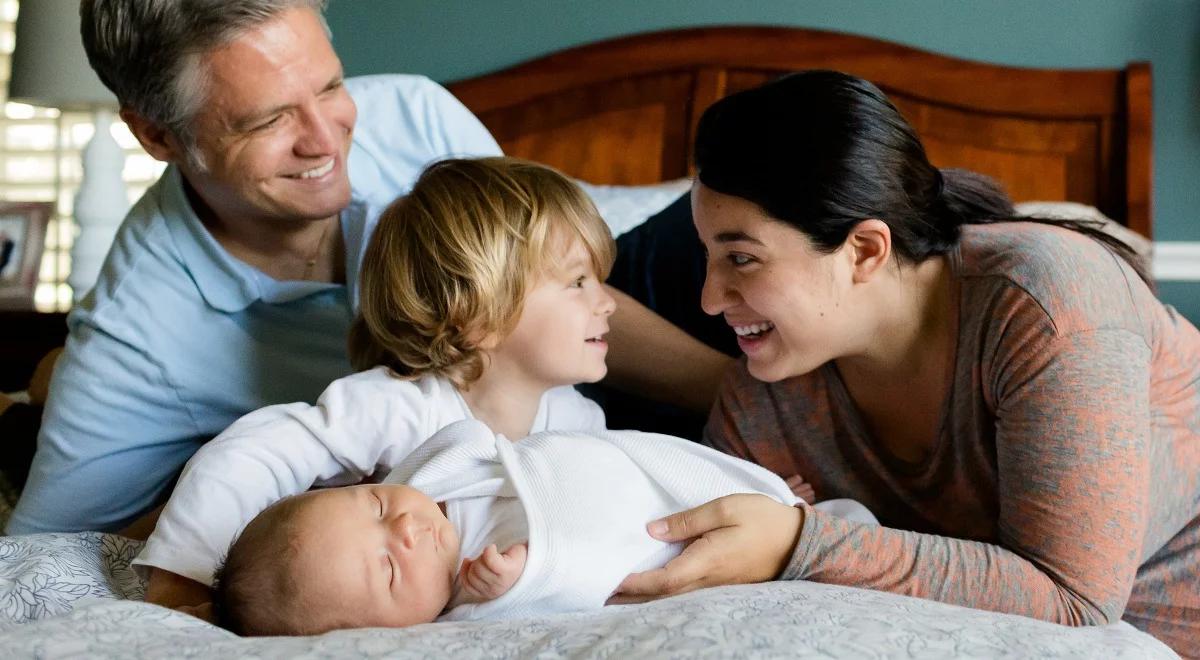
<point>159,142</point>
<point>869,246</point>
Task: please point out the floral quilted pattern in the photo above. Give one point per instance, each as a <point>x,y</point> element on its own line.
<point>76,595</point>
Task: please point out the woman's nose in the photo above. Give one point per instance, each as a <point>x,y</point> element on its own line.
<point>714,296</point>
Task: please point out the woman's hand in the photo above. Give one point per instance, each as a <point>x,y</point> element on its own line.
<point>737,539</point>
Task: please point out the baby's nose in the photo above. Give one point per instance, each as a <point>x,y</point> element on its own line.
<point>406,531</point>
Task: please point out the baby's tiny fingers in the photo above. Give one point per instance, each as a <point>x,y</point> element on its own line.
<point>516,552</point>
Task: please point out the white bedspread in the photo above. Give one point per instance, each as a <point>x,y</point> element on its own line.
<point>75,595</point>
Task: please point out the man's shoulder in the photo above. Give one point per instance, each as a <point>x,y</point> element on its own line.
<point>143,277</point>
<point>395,84</point>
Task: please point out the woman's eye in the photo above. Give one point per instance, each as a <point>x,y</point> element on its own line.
<point>380,506</point>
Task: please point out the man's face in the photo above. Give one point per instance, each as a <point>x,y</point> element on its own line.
<point>274,129</point>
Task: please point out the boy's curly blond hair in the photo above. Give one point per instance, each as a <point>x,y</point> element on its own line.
<point>450,263</point>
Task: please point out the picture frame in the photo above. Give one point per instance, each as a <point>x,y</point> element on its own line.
<point>22,241</point>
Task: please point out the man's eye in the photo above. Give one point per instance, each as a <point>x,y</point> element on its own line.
<point>739,259</point>
<point>268,123</point>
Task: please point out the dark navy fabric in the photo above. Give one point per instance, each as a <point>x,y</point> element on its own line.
<point>660,263</point>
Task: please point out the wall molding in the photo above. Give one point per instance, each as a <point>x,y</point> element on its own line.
<point>1177,261</point>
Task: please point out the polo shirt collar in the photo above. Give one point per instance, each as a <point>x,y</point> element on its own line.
<point>225,282</point>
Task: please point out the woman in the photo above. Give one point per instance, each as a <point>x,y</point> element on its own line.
<point>1008,397</point>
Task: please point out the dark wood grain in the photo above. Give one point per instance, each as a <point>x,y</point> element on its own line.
<point>624,111</point>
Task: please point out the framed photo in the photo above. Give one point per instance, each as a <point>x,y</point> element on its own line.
<point>22,238</point>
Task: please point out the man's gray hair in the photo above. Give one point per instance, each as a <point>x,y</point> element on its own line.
<point>148,52</point>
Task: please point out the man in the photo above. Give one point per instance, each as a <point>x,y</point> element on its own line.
<point>232,282</point>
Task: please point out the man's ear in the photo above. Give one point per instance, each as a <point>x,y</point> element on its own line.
<point>870,248</point>
<point>159,142</point>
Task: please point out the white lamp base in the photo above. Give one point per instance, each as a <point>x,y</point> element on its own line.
<point>100,205</point>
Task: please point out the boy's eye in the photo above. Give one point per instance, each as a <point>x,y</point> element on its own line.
<point>578,283</point>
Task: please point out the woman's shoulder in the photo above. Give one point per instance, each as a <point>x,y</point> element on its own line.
<point>1069,278</point>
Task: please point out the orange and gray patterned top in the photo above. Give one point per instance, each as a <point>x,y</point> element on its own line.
<point>1065,481</point>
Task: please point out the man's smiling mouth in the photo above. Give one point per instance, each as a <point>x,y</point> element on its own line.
<point>315,172</point>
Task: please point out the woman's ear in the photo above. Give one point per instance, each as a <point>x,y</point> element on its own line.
<point>870,247</point>
<point>160,143</point>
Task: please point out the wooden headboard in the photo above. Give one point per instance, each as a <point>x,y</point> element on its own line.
<point>624,111</point>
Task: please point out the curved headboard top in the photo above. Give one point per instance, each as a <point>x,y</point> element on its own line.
<point>624,111</point>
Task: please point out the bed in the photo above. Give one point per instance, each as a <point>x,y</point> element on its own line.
<point>620,114</point>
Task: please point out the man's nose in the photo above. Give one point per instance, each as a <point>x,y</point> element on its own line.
<point>319,137</point>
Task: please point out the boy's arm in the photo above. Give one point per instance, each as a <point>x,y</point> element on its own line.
<point>492,574</point>
<point>359,423</point>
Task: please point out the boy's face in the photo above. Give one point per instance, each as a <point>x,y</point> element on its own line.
<point>559,339</point>
<point>375,556</point>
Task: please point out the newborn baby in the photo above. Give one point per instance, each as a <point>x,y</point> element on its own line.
<point>568,509</point>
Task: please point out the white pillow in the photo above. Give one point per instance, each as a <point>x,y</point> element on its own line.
<point>625,207</point>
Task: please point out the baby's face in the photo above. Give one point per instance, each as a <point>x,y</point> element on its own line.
<point>375,556</point>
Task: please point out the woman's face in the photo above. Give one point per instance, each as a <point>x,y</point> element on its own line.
<point>783,299</point>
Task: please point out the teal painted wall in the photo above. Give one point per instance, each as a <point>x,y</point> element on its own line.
<point>452,39</point>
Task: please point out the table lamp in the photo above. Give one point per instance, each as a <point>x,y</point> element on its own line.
<point>50,69</point>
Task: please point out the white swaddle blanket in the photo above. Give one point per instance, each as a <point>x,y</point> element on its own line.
<point>587,498</point>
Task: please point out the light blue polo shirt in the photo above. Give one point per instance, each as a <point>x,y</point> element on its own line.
<point>179,338</point>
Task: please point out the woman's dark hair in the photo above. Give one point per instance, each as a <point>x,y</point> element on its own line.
<point>823,151</point>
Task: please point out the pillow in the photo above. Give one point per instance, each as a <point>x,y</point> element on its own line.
<point>626,207</point>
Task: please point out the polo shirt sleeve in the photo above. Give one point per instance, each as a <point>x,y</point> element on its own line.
<point>404,123</point>
<point>113,413</point>
<point>360,423</point>
<point>452,129</point>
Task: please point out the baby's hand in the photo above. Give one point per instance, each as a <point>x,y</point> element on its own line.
<point>492,574</point>
<point>801,488</point>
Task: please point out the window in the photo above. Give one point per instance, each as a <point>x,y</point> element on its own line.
<point>40,161</point>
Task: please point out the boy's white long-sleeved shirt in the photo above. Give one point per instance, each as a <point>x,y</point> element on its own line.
<point>362,424</point>
<point>586,498</point>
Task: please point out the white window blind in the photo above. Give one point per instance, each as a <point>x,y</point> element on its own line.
<point>40,161</point>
